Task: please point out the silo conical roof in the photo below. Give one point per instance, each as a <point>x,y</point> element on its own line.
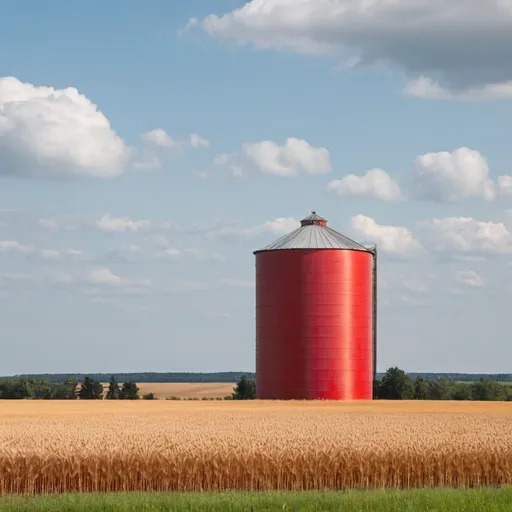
<point>313,233</point>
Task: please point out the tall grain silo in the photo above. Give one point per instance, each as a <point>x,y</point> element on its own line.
<point>315,316</point>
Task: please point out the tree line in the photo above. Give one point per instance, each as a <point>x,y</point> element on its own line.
<point>152,377</point>
<point>395,384</point>
<point>89,389</point>
<point>170,377</point>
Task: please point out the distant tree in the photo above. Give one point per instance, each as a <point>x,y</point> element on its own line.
<point>15,389</point>
<point>113,391</point>
<point>66,390</point>
<point>486,390</point>
<point>420,388</point>
<point>396,385</point>
<point>461,391</point>
<point>129,391</point>
<point>42,389</point>
<point>245,389</point>
<point>90,390</point>
<point>440,389</point>
<point>149,396</point>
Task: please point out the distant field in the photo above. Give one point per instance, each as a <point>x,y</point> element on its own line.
<point>185,390</point>
<point>76,446</point>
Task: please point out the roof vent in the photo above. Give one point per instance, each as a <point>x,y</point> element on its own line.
<point>313,219</point>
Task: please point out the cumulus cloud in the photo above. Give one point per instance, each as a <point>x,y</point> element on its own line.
<point>469,278</point>
<point>158,145</point>
<point>467,235</point>
<point>443,177</point>
<point>424,87</point>
<point>159,137</point>
<point>461,50</point>
<point>396,240</point>
<point>195,254</point>
<point>505,186</point>
<point>104,276</point>
<point>279,226</point>
<point>198,142</point>
<point>375,184</point>
<point>56,133</point>
<point>108,222</point>
<point>56,254</point>
<point>453,176</point>
<point>13,246</point>
<point>289,159</point>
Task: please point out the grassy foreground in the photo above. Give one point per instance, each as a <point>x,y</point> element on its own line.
<point>488,500</point>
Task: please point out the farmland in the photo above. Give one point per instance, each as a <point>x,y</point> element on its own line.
<point>62,446</point>
<point>185,389</point>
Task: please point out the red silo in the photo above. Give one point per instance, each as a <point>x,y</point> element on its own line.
<point>315,316</point>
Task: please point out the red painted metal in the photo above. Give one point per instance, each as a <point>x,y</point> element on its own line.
<point>314,324</point>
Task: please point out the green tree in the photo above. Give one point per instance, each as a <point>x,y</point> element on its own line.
<point>396,385</point>
<point>66,390</point>
<point>149,396</point>
<point>113,392</point>
<point>41,389</point>
<point>440,389</point>
<point>461,391</point>
<point>15,389</point>
<point>420,388</point>
<point>90,390</point>
<point>129,391</point>
<point>485,390</point>
<point>245,389</point>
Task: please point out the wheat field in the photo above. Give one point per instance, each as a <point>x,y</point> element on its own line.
<point>185,389</point>
<point>54,447</point>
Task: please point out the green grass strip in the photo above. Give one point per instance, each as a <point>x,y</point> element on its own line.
<point>486,500</point>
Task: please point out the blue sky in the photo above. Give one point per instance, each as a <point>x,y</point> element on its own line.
<point>146,150</point>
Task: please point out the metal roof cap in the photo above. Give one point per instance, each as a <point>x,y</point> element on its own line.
<point>313,233</point>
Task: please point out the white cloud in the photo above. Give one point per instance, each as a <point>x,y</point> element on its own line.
<point>444,176</point>
<point>467,235</point>
<point>66,222</point>
<point>158,144</point>
<point>104,276</point>
<point>460,50</point>
<point>395,240</point>
<point>198,142</point>
<point>279,226</point>
<point>293,157</point>
<point>13,246</point>
<point>376,184</point>
<point>48,223</point>
<point>469,278</point>
<point>120,224</point>
<point>159,137</point>
<point>55,254</point>
<point>424,87</point>
<point>505,185</point>
<point>56,132</point>
<point>223,159</point>
<point>453,176</point>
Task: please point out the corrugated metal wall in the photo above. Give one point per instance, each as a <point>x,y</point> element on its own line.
<point>314,324</point>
